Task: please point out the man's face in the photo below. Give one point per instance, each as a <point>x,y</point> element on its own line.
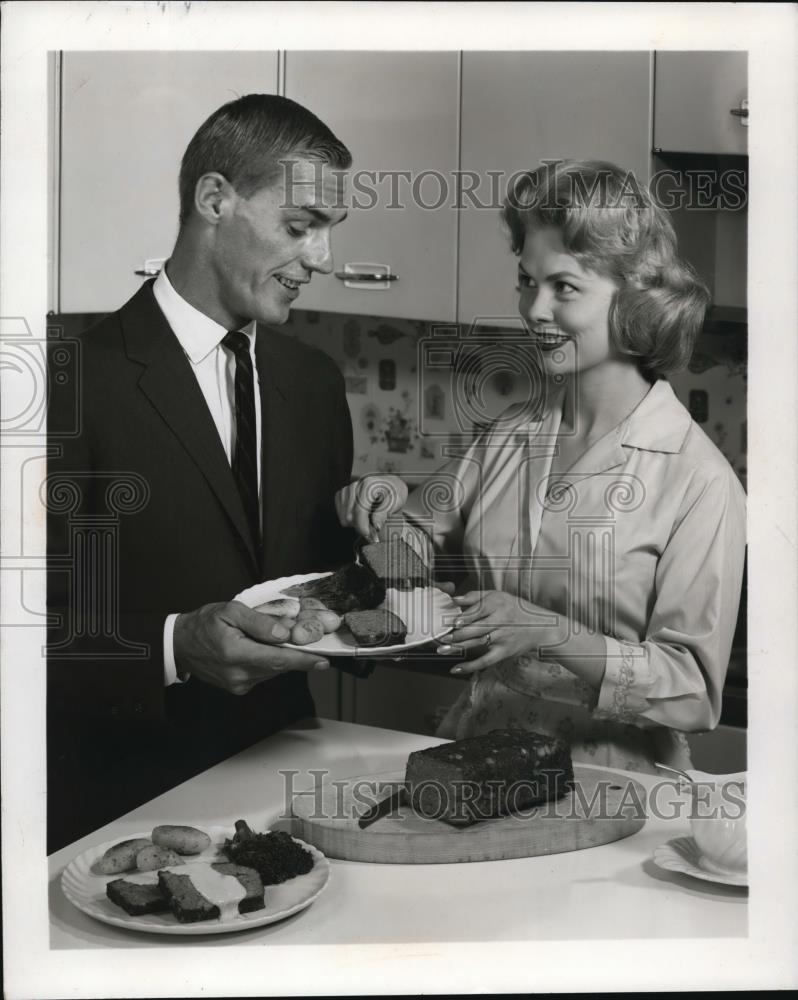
<point>268,245</point>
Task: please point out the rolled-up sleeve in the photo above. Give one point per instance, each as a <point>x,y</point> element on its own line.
<point>675,676</point>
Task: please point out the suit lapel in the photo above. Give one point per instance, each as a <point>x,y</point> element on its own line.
<point>169,384</point>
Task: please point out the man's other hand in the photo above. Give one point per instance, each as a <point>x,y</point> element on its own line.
<point>235,648</point>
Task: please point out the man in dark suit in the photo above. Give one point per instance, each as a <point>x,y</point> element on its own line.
<point>207,460</point>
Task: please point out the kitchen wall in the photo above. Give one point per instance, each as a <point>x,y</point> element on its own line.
<point>404,409</point>
<point>714,389</point>
<point>406,400</point>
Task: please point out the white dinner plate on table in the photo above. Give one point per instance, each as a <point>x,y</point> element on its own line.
<point>682,855</point>
<point>85,888</point>
<point>428,613</point>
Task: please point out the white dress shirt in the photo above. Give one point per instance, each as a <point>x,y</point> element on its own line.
<point>645,548</point>
<point>214,368</point>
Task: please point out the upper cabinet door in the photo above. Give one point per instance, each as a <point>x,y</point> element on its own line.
<point>397,112</point>
<point>698,102</point>
<point>519,108</point>
<point>127,118</point>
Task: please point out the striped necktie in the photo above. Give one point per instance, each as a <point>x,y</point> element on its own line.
<point>245,459</point>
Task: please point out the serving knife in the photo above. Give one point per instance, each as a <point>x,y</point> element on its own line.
<point>384,807</point>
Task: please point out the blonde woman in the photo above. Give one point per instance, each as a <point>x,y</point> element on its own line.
<point>603,532</point>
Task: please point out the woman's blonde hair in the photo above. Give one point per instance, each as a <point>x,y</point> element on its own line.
<point>609,222</point>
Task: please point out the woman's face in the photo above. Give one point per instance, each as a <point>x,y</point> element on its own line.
<point>565,306</point>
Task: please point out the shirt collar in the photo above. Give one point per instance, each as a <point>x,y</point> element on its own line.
<point>197,333</point>
<point>658,423</point>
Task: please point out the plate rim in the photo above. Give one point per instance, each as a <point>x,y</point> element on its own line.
<point>668,852</point>
<point>367,652</point>
<point>257,918</point>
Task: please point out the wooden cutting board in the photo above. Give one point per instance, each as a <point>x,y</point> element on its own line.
<point>606,806</point>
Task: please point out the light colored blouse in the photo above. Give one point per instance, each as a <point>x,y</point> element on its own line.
<point>642,541</point>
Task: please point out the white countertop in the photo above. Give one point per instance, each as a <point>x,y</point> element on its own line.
<point>613,891</point>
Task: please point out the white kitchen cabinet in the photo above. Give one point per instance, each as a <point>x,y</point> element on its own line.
<point>698,100</point>
<point>395,111</point>
<point>518,109</point>
<point>126,119</point>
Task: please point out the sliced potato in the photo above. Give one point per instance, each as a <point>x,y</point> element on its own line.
<point>182,839</point>
<point>122,856</point>
<point>305,632</point>
<point>329,620</point>
<point>309,615</point>
<point>311,603</point>
<point>153,857</point>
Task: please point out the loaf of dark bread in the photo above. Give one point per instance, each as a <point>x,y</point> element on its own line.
<point>376,628</point>
<point>396,564</point>
<point>488,776</point>
<point>189,905</point>
<point>350,588</point>
<point>136,899</point>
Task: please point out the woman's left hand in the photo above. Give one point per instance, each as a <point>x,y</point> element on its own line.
<point>494,626</point>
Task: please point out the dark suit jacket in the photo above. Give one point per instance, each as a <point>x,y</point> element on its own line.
<point>144,519</point>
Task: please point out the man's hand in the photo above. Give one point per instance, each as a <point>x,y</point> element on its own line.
<point>235,648</point>
<point>366,504</point>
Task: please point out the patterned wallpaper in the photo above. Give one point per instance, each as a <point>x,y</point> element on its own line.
<point>407,402</point>
<point>714,390</point>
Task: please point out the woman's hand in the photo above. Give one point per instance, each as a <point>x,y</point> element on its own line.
<point>365,505</point>
<point>494,626</point>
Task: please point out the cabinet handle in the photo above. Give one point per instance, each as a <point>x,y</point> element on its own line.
<point>364,277</point>
<point>151,267</point>
<point>741,113</point>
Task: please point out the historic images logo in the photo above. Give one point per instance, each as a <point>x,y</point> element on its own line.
<point>345,799</point>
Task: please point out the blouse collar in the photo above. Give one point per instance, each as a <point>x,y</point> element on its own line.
<point>658,423</point>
